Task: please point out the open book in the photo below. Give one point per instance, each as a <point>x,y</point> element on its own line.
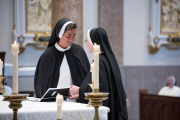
<point>50,95</point>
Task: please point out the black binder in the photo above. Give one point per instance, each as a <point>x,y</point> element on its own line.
<point>51,94</point>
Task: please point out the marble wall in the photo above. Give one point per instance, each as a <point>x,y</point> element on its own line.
<point>72,9</point>
<point>152,78</point>
<point>111,19</point>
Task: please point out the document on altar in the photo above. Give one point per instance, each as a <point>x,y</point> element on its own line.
<point>50,95</point>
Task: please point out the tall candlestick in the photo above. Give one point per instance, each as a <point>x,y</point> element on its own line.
<point>1,67</point>
<point>92,71</point>
<point>96,49</point>
<point>59,101</point>
<point>15,51</point>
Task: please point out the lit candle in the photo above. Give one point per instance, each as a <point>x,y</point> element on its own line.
<point>92,71</point>
<point>59,101</point>
<point>96,49</point>
<point>1,67</point>
<point>15,51</point>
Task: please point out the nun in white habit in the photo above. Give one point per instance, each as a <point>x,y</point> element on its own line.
<point>171,89</point>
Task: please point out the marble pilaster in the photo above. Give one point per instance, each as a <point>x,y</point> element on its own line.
<point>72,9</point>
<point>111,19</point>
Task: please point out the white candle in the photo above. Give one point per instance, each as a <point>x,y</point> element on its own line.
<point>92,71</point>
<point>1,67</point>
<point>96,49</point>
<point>59,101</point>
<point>15,51</point>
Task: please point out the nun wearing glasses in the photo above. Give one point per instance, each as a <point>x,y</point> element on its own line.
<point>109,77</point>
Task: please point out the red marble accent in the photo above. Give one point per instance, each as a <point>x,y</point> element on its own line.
<point>111,19</point>
<point>72,9</point>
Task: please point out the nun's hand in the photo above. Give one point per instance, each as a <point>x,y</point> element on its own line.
<point>74,97</point>
<point>74,90</point>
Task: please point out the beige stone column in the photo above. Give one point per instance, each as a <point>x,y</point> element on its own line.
<point>72,9</point>
<point>111,19</point>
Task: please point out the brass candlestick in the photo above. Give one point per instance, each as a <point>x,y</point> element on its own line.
<point>15,102</point>
<point>2,91</point>
<point>95,99</point>
<point>92,87</point>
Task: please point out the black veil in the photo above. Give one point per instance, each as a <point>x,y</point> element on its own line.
<point>57,29</point>
<point>99,36</point>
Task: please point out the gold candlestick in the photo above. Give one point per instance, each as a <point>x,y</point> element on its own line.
<point>15,102</point>
<point>2,91</point>
<point>92,87</point>
<point>95,99</point>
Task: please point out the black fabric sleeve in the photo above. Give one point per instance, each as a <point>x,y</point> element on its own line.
<point>36,80</point>
<point>43,75</point>
<point>103,80</point>
<point>85,88</point>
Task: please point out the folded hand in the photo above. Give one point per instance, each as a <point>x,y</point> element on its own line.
<point>74,96</point>
<point>74,90</point>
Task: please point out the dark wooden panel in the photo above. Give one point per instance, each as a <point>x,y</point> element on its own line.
<point>175,112</point>
<point>165,112</point>
<point>155,107</point>
<point>147,111</point>
<point>156,111</point>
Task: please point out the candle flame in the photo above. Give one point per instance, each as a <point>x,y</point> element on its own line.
<point>15,42</point>
<point>0,59</point>
<point>95,44</point>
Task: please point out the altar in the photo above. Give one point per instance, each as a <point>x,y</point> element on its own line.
<point>47,111</point>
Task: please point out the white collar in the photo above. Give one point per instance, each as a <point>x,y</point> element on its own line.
<point>60,48</point>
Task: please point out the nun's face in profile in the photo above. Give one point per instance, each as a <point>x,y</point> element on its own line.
<point>67,39</point>
<point>89,46</point>
<point>170,82</point>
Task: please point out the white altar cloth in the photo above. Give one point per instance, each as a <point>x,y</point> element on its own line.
<point>47,111</point>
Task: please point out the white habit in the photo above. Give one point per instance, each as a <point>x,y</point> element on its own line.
<point>167,91</point>
<point>65,80</point>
